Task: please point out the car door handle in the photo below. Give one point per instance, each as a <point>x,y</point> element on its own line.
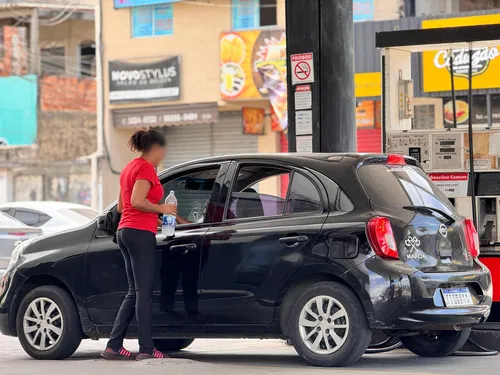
<point>293,240</point>
<point>183,249</point>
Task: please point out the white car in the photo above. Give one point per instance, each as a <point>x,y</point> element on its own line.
<point>51,217</point>
<point>13,232</point>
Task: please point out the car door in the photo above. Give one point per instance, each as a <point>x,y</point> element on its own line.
<point>177,292</point>
<point>273,216</point>
<point>177,259</point>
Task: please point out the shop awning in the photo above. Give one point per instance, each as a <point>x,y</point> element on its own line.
<point>167,115</point>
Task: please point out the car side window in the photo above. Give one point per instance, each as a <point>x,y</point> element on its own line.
<point>304,197</point>
<point>257,193</point>
<point>27,217</point>
<point>193,191</point>
<point>43,219</point>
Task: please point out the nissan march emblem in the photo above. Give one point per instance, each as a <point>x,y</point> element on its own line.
<point>443,230</point>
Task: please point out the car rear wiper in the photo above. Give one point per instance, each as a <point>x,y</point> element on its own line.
<point>431,210</point>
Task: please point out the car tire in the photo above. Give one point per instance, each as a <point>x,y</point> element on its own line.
<point>342,313</point>
<point>172,345</point>
<point>48,325</point>
<point>441,345</point>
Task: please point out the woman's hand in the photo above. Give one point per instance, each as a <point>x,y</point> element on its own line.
<point>169,209</point>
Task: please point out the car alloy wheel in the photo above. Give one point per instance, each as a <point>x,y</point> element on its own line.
<point>323,325</point>
<point>43,324</point>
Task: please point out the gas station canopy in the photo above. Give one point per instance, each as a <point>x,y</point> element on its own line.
<point>441,38</point>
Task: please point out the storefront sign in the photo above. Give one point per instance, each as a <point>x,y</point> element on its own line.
<point>253,66</point>
<point>138,3</point>
<point>368,84</point>
<point>485,61</point>
<point>417,143</point>
<point>254,121</point>
<point>168,115</point>
<point>447,151</point>
<point>142,82</point>
<point>452,185</point>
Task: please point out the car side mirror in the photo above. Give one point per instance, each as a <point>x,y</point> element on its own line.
<point>105,222</point>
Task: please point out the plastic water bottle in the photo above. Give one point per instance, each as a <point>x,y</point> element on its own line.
<point>168,225</point>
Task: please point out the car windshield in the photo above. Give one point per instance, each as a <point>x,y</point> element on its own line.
<point>79,215</point>
<point>389,186</point>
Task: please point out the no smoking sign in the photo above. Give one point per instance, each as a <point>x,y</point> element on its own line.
<point>302,68</point>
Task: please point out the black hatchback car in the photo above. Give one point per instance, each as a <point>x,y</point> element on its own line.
<point>320,249</point>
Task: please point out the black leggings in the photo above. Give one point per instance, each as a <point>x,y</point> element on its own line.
<point>138,248</point>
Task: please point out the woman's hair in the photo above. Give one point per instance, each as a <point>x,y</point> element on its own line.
<point>143,140</point>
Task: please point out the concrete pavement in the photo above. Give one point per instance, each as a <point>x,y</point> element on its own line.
<point>221,357</point>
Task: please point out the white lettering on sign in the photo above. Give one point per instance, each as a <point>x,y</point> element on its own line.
<point>481,58</point>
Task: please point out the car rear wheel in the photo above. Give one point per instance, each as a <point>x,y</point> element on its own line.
<point>48,325</point>
<point>172,345</point>
<point>328,325</point>
<point>439,344</point>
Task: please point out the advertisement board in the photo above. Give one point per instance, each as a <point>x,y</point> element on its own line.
<point>144,81</point>
<point>253,66</point>
<point>485,61</point>
<point>253,121</point>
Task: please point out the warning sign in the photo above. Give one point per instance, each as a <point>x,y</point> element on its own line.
<point>303,97</point>
<point>302,68</point>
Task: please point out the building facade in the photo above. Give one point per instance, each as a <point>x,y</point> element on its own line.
<point>228,94</point>
<point>48,112</point>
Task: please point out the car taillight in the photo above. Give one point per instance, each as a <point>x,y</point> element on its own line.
<point>381,238</point>
<point>17,234</point>
<point>394,159</point>
<point>472,238</point>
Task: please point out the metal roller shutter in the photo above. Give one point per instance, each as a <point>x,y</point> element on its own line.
<point>228,137</point>
<point>186,143</point>
<point>191,142</point>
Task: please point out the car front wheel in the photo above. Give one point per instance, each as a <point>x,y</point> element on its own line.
<point>438,344</point>
<point>48,325</point>
<point>172,345</point>
<point>328,325</point>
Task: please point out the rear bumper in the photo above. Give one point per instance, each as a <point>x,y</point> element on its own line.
<point>414,301</point>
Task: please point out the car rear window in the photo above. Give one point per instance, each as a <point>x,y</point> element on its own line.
<point>399,186</point>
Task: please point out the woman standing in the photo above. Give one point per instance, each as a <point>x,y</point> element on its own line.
<point>140,192</point>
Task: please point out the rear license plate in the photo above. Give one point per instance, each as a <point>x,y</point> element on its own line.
<point>457,297</point>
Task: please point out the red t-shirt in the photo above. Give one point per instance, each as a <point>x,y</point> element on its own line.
<point>139,169</point>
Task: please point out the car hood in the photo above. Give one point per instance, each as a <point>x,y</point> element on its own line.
<point>73,238</point>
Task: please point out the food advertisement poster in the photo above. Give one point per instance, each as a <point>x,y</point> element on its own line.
<point>452,185</point>
<point>368,114</point>
<point>479,111</point>
<point>447,151</point>
<point>414,145</point>
<point>485,60</point>
<point>486,150</point>
<point>254,121</point>
<point>253,66</point>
